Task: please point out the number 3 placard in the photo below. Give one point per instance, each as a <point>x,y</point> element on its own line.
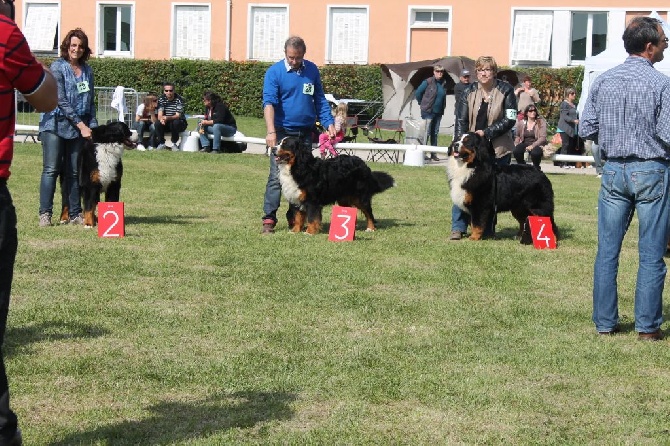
<point>542,232</point>
<point>110,219</point>
<point>342,224</point>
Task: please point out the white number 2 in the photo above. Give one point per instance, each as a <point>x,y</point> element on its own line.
<point>345,219</point>
<point>114,223</point>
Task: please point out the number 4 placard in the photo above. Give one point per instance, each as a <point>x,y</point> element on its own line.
<point>110,219</point>
<point>342,224</point>
<point>542,232</point>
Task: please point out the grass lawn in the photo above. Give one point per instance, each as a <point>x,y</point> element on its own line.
<point>195,329</point>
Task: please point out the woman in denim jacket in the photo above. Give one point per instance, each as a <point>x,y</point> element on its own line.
<point>63,130</point>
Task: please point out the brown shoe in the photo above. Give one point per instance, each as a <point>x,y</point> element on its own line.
<point>653,336</point>
<point>456,235</point>
<point>268,227</point>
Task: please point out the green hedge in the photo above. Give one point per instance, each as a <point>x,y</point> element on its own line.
<point>241,83</point>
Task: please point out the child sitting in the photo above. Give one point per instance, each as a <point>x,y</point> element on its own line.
<point>325,143</point>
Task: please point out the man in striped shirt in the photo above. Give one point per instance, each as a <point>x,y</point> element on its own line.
<point>628,114</point>
<point>171,115</point>
<point>20,70</point>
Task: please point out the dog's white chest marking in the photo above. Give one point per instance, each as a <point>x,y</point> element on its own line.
<point>108,156</point>
<point>458,173</point>
<point>289,187</point>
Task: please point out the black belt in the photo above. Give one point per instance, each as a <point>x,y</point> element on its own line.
<point>304,131</point>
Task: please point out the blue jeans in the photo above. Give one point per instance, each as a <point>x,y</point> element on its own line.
<point>8,246</point>
<point>217,131</point>
<point>145,126</point>
<point>272,198</point>
<point>460,220</point>
<point>630,185</point>
<point>433,128</point>
<point>60,157</point>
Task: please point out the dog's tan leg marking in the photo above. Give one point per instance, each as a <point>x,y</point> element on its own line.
<point>477,233</point>
<point>303,195</point>
<point>65,214</point>
<point>95,176</point>
<point>299,221</point>
<point>467,199</point>
<point>314,227</point>
<point>89,218</point>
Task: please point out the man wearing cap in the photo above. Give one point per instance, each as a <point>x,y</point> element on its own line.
<point>460,87</point>
<point>432,98</point>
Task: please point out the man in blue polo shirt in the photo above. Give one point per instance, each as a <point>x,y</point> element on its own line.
<point>292,99</point>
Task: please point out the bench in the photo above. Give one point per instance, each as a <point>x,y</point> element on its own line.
<point>188,141</point>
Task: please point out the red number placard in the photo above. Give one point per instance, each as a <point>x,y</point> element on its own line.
<point>110,219</point>
<point>542,232</point>
<point>342,224</point>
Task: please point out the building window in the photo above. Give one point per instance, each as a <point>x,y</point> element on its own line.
<point>191,32</point>
<point>268,31</point>
<point>347,35</point>
<point>531,39</point>
<point>430,18</point>
<point>40,26</point>
<point>115,30</point>
<point>589,35</point>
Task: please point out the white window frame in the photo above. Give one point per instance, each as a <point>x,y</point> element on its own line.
<point>26,27</point>
<point>207,34</point>
<point>100,48</point>
<point>589,33</point>
<point>279,37</point>
<point>364,39</point>
<point>412,23</point>
<point>561,36</point>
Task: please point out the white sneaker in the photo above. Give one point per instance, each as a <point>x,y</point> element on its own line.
<point>150,148</point>
<point>141,148</point>
<point>160,147</point>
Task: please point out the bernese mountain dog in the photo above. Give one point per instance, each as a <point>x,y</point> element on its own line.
<point>100,166</point>
<point>481,188</point>
<point>310,183</point>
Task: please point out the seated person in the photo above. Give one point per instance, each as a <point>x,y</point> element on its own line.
<point>171,115</point>
<point>218,122</point>
<point>145,117</point>
<point>531,135</point>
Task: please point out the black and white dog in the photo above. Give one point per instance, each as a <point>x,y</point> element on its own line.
<point>481,188</point>
<point>100,166</point>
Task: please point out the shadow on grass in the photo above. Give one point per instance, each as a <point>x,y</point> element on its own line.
<point>163,219</point>
<point>177,422</point>
<point>19,338</point>
<point>384,223</point>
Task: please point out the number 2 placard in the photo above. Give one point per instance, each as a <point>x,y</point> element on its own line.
<point>342,224</point>
<point>110,219</point>
<point>542,232</point>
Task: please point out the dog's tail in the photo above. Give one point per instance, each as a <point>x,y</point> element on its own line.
<point>384,181</point>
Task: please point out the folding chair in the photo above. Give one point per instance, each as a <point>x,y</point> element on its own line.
<point>351,135</point>
<point>381,128</point>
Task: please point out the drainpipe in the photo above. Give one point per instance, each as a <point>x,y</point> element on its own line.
<point>229,9</point>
